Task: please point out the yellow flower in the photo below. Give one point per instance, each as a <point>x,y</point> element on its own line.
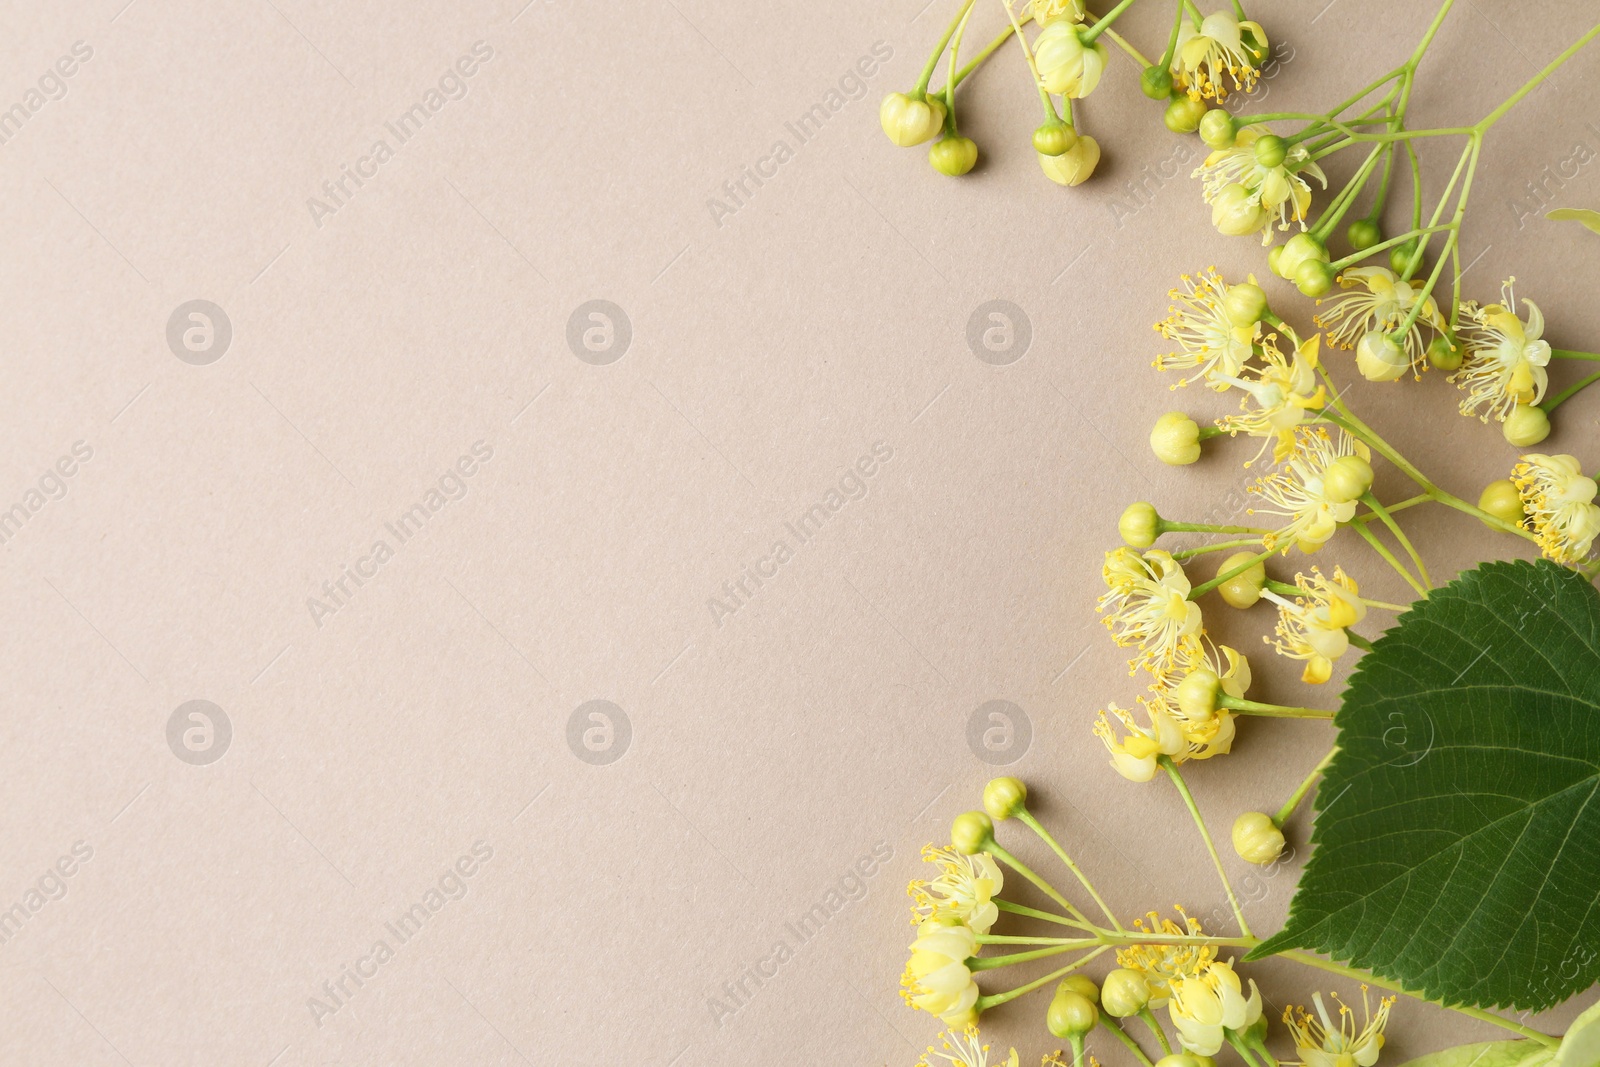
<point>1208,341</point>
<point>1312,626</point>
<point>1279,188</point>
<point>965,888</point>
<point>1135,756</point>
<point>963,1049</point>
<point>1047,11</point>
<point>1187,691</point>
<point>1221,45</point>
<point>1505,358</point>
<point>1165,965</point>
<point>1559,500</point>
<point>1378,300</point>
<point>1299,491</point>
<point>1205,1005</point>
<point>1148,599</point>
<point>1321,1044</point>
<point>936,978</point>
<point>1284,389</point>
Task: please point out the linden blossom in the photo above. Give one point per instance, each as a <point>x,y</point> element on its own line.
<point>742,588</point>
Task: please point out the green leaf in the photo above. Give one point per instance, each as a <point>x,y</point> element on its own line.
<point>1581,1046</point>
<point>1586,216</point>
<point>1487,1054</point>
<point>1456,849</point>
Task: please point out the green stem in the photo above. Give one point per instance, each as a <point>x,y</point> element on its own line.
<point>1172,39</point>
<point>1357,257</point>
<point>1405,542</point>
<point>1242,1049</point>
<point>1538,79</point>
<point>1089,36</point>
<point>1409,502</point>
<point>1205,835</point>
<point>1222,546</point>
<point>1122,1035</point>
<point>933,60</point>
<point>1286,812</point>
<point>1035,913</point>
<point>989,50</point>
<point>1026,818</point>
<point>1155,1028</point>
<point>1202,527</point>
<point>1275,711</point>
<point>1228,575</point>
<point>1360,642</point>
<point>990,963</point>
<point>993,999</point>
<point>1567,353</point>
<point>1568,393</point>
<point>1012,939</point>
<point>1383,550</point>
<point>1044,886</point>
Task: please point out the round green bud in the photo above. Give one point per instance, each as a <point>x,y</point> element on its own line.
<point>1245,304</point>
<point>1140,525</point>
<point>1526,425</point>
<point>1256,838</point>
<point>1444,354</point>
<point>1275,259</point>
<point>1124,993</point>
<point>1199,692</point>
<point>1217,129</point>
<point>1379,358</point>
<point>1183,115</point>
<point>909,120</point>
<point>1081,984</point>
<point>1071,1015</point>
<point>1156,82</point>
<point>1176,439</point>
<point>1054,139</point>
<point>1363,234</point>
<point>1346,479</point>
<point>1271,150</point>
<point>1400,255</point>
<point>1297,250</point>
<point>971,832</point>
<point>1004,797</point>
<point>1314,277</point>
<point>1243,589</point>
<point>953,155</point>
<point>1502,500</point>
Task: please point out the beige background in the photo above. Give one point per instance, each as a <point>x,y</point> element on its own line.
<point>772,344</point>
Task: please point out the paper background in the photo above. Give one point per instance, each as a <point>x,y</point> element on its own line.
<point>773,344</point>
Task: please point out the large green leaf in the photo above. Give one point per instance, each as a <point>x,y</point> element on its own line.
<point>1456,849</point>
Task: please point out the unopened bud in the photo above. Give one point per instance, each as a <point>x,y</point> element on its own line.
<point>1243,589</point>
<point>910,120</point>
<point>1346,479</point>
<point>1140,525</point>
<point>1071,1015</point>
<point>1256,838</point>
<point>1236,210</point>
<point>1124,993</point>
<point>1081,984</point>
<point>1379,358</point>
<point>1184,114</point>
<point>1176,439</point>
<point>953,156</point>
<point>1313,277</point>
<point>1363,234</point>
<point>1217,129</point>
<point>1245,304</point>
<point>1054,138</point>
<point>1156,82</point>
<point>1198,694</point>
<point>1502,500</point>
<point>1297,250</point>
<point>1004,797</point>
<point>1445,354</point>
<point>1526,425</point>
<point>1271,150</point>
<point>971,832</point>
<point>1075,165</point>
<point>1400,255</point>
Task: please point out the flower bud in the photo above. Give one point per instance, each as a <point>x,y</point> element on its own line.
<point>953,155</point>
<point>1075,165</point>
<point>1081,984</point>
<point>1256,838</point>
<point>1526,425</point>
<point>1245,304</point>
<point>1071,1015</point>
<point>1296,250</point>
<point>1379,358</point>
<point>1183,114</point>
<point>1054,138</point>
<point>971,832</point>
<point>1176,439</point>
<point>1271,150</point>
<point>1243,589</point>
<point>910,120</point>
<point>1156,82</point>
<point>1400,255</point>
<point>1140,525</point>
<point>1218,130</point>
<point>1182,1059</point>
<point>1363,234</point>
<point>1346,479</point>
<point>1236,211</point>
<point>1445,354</point>
<point>1066,65</point>
<point>1124,993</point>
<point>1502,500</point>
<point>1004,797</point>
<point>1254,1034</point>
<point>1198,694</point>
<point>1312,277</point>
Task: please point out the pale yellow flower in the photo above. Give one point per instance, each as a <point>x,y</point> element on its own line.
<point>1066,65</point>
<point>1147,597</point>
<point>1377,299</point>
<point>1206,1004</point>
<point>1222,45</point>
<point>1312,626</point>
<point>1207,730</point>
<point>1163,966</point>
<point>1559,500</point>
<point>1505,358</point>
<point>963,1049</point>
<point>1208,342</point>
<point>1136,756</point>
<point>936,978</point>
<point>1284,388</point>
<point>965,888</point>
<point>1298,490</point>
<point>1047,11</point>
<point>1282,191</point>
<point>1322,1044</point>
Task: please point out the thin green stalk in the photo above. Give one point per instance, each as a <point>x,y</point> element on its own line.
<point>1383,550</point>
<point>1026,818</point>
<point>1286,812</point>
<point>1035,913</point>
<point>1228,575</point>
<point>1272,711</point>
<point>1122,1035</point>
<point>1409,502</point>
<point>1155,1028</point>
<point>1017,939</point>
<point>1202,527</point>
<point>1205,835</point>
<point>933,60</point>
<point>990,963</point>
<point>1538,79</point>
<point>1357,257</point>
<point>1568,393</point>
<point>1044,886</point>
<point>993,999</point>
<point>1242,1049</point>
<point>989,50</point>
<point>1090,35</point>
<point>1400,535</point>
<point>1223,546</point>
<point>1567,353</point>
